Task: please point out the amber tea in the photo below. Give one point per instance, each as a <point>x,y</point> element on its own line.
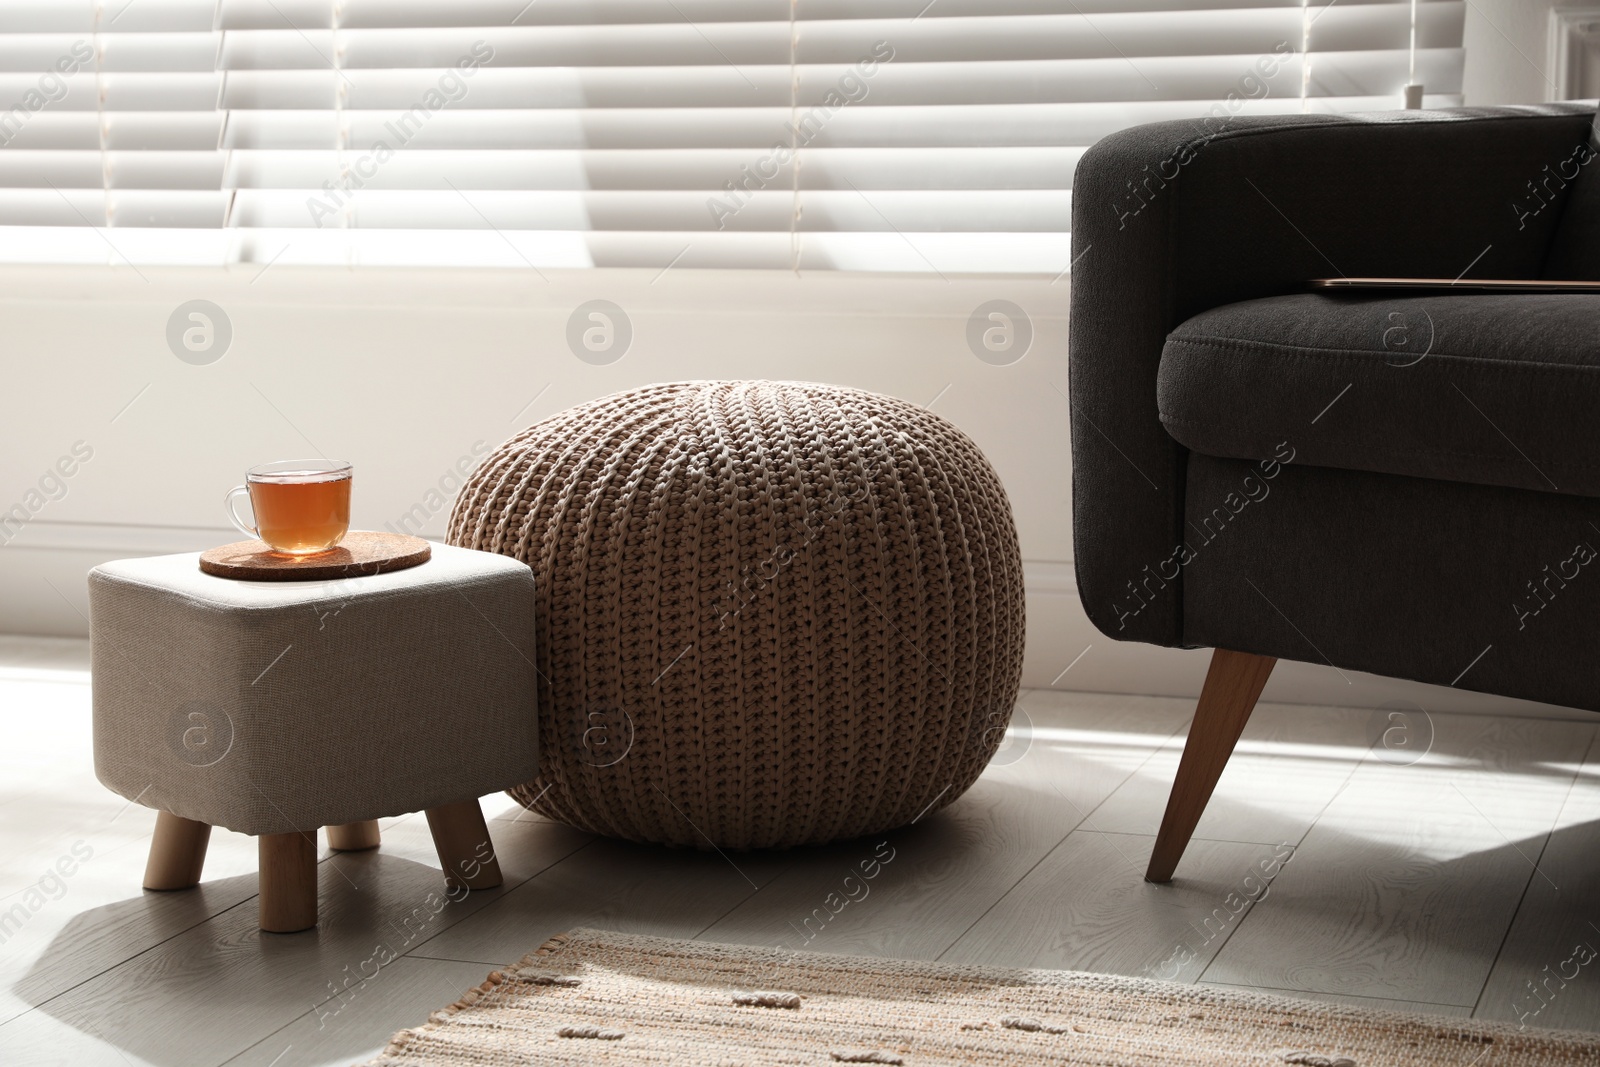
<point>301,506</point>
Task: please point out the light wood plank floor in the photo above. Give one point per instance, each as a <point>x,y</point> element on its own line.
<point>1465,882</point>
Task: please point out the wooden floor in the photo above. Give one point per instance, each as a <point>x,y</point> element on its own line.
<point>1453,884</point>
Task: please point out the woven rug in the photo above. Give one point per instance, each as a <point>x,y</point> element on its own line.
<point>595,997</point>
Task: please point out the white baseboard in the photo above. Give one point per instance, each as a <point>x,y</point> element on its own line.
<point>43,593</point>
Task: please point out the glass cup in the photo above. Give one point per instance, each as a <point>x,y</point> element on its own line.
<point>301,506</point>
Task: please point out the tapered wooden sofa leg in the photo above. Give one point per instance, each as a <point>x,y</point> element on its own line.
<point>1233,685</point>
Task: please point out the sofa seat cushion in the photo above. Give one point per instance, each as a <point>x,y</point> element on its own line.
<point>1493,389</point>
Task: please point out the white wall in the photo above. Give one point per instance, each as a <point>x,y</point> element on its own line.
<point>1506,43</point>
<point>403,372</point>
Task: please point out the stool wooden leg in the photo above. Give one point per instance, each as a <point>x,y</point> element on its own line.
<point>177,853</point>
<point>353,836</point>
<point>465,850</point>
<point>288,882</point>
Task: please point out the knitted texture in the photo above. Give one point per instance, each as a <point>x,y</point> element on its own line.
<point>768,613</point>
<point>592,997</point>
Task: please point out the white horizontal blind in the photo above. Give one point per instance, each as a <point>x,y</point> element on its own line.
<point>802,134</point>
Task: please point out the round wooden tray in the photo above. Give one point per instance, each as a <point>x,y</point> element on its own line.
<point>361,552</point>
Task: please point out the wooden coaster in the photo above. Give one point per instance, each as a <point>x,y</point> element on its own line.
<point>361,552</point>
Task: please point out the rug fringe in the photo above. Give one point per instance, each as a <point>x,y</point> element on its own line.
<point>549,948</point>
<point>397,1044</point>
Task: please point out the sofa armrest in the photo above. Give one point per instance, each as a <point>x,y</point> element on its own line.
<point>1174,218</point>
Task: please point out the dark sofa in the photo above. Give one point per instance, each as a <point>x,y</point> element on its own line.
<point>1401,484</point>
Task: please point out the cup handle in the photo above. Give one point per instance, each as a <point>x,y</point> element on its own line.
<point>227,502</point>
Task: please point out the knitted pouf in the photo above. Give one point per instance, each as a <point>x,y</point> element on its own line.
<point>769,613</point>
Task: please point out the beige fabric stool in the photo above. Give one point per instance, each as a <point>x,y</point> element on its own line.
<point>274,708</point>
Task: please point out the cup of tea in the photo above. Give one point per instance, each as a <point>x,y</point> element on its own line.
<point>301,506</point>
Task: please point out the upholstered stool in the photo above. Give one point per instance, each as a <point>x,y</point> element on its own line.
<point>275,708</point>
<point>770,613</point>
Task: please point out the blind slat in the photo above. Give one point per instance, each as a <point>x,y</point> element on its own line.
<point>812,134</point>
<point>1124,35</point>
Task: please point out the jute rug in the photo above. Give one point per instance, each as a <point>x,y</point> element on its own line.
<point>594,997</point>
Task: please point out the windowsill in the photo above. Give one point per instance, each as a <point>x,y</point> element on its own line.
<point>673,291</point>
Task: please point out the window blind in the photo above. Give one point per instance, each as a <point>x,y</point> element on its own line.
<point>914,135</point>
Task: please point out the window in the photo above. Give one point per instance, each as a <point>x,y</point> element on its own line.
<point>796,134</point>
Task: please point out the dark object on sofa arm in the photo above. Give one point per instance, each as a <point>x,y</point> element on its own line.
<point>1399,484</point>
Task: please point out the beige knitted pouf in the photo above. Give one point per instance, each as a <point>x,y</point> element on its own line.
<point>769,613</point>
